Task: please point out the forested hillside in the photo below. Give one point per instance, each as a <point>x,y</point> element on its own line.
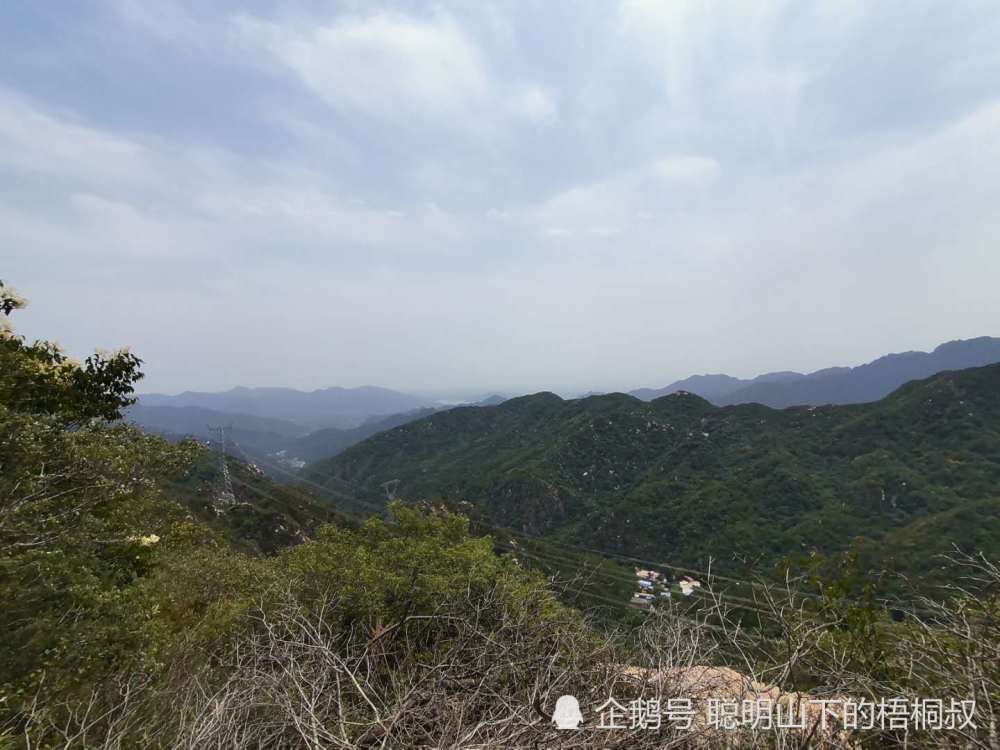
<point>150,603</point>
<point>262,516</point>
<point>678,479</point>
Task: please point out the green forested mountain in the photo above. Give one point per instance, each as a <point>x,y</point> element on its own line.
<point>680,480</point>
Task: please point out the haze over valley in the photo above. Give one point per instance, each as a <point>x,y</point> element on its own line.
<point>291,428</point>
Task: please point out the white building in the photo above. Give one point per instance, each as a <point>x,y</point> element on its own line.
<point>688,585</point>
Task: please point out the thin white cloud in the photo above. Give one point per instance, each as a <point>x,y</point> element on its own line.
<point>624,202</point>
<point>533,103</point>
<point>40,142</point>
<point>168,21</point>
<point>506,197</point>
<point>381,64</point>
<point>162,199</point>
<point>395,66</point>
<point>687,170</point>
<point>756,86</point>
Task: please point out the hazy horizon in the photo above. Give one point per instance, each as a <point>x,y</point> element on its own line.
<point>471,392</point>
<point>446,198</point>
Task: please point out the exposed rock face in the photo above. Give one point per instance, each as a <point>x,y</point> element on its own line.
<point>821,719</point>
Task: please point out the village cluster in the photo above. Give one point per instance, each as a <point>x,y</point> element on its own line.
<point>653,585</point>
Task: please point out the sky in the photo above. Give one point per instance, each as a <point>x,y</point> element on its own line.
<point>456,197</point>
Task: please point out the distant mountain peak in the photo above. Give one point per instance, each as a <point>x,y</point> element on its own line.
<point>871,381</point>
<point>782,376</point>
<point>540,397</point>
<point>835,385</point>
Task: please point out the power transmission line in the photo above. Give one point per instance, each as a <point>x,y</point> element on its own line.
<point>226,497</point>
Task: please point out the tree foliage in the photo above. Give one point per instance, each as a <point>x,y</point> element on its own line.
<point>80,512</point>
<point>112,590</point>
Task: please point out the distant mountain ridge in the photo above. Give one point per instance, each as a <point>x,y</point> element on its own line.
<point>835,385</point>
<point>707,386</point>
<point>312,425</point>
<point>197,421</point>
<point>332,440</point>
<point>261,439</point>
<point>326,407</point>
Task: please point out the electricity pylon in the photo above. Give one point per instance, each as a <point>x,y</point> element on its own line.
<point>226,497</point>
